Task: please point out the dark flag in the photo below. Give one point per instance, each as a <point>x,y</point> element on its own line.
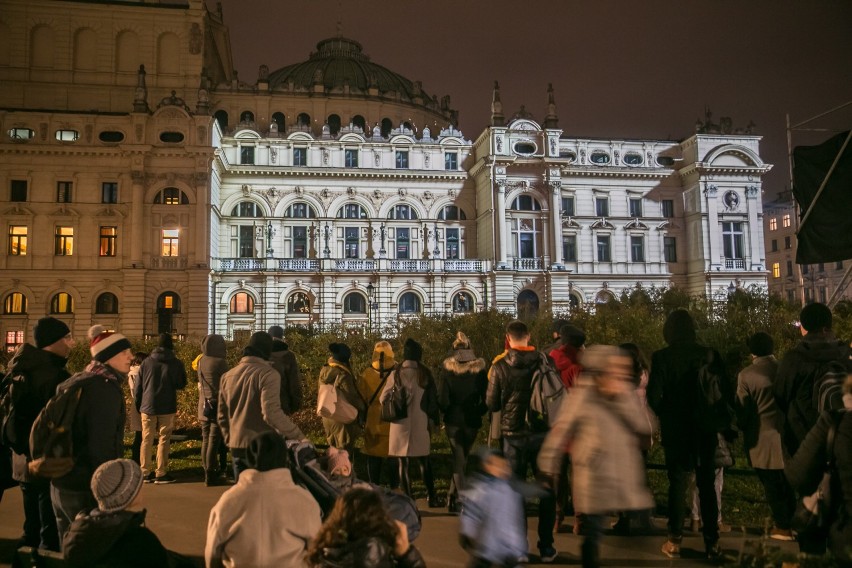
<point>826,235</point>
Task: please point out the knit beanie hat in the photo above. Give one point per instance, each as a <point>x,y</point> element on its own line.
<point>338,462</point>
<point>461,349</point>
<point>105,344</point>
<point>165,341</point>
<point>259,345</point>
<point>572,335</point>
<point>267,451</point>
<point>340,352</point>
<point>411,351</point>
<point>48,331</point>
<point>116,484</point>
<point>276,331</point>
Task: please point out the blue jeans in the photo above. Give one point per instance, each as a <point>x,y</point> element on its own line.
<point>39,518</point>
<point>522,452</point>
<point>67,503</point>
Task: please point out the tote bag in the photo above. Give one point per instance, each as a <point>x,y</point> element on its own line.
<point>333,406</point>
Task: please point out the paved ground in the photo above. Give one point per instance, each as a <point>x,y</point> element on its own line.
<point>178,515</point>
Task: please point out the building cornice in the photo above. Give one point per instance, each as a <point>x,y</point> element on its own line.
<point>348,173</point>
<point>703,168</point>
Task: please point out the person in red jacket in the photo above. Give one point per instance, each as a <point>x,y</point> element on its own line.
<point>566,353</point>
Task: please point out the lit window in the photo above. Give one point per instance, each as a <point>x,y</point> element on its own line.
<point>109,192</point>
<point>602,206</point>
<point>169,301</point>
<point>63,240</point>
<point>300,156</point>
<point>14,339</point>
<point>773,224</point>
<point>402,159</point>
<point>604,248</point>
<point>785,220</point>
<point>108,235</point>
<point>62,303</point>
<point>63,191</point>
<point>242,303</point>
<point>107,303</point>
<point>170,242</point>
<point>67,135</point>
<point>16,303</point>
<point>409,303</point>
<point>451,161</point>
<point>21,133</point>
<point>354,303</point>
<point>18,240</point>
<point>776,270</point>
<point>171,196</point>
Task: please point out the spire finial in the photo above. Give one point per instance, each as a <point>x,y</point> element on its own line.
<point>497,118</point>
<point>551,120</point>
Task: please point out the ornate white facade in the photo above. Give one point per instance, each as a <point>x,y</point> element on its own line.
<point>178,198</point>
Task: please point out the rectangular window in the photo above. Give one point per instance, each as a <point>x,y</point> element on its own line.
<point>300,242</point>
<point>823,295</point>
<point>821,267</point>
<point>788,243</point>
<point>776,270</point>
<point>452,236</point>
<point>785,220</point>
<point>451,161</point>
<point>170,242</point>
<point>108,235</point>
<point>18,240</point>
<point>402,159</point>
<point>569,248</point>
<point>300,156</point>
<point>773,224</point>
<point>733,239</point>
<point>109,192</point>
<point>791,296</point>
<point>604,248</point>
<point>63,240</point>
<point>635,207</point>
<point>63,191</point>
<point>568,206</point>
<point>637,249</point>
<point>403,243</point>
<point>670,249</point>
<point>18,190</point>
<point>789,268</point>
<point>246,241</point>
<point>14,338</point>
<point>602,206</point>
<point>526,243</point>
<point>247,155</point>
<point>774,245</point>
<point>668,208</point>
<point>351,158</point>
<point>350,236</point>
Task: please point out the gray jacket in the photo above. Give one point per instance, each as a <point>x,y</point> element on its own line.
<point>758,415</point>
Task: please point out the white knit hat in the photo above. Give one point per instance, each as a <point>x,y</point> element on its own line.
<point>105,344</point>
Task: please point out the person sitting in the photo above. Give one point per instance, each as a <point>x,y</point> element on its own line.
<point>114,534</point>
<point>264,520</point>
<point>359,532</point>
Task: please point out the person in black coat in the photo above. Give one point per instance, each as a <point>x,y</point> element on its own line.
<point>463,380</point>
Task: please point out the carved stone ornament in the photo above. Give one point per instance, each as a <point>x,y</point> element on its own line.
<point>499,144</point>
<point>402,192</point>
<point>752,191</point>
<point>451,192</point>
<point>377,195</point>
<point>273,154</point>
<point>731,200</point>
<point>427,195</point>
<point>246,189</point>
<point>350,191</point>
<point>711,190</point>
<point>427,159</point>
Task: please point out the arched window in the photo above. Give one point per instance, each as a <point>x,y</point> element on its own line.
<point>304,119</point>
<point>409,303</point>
<point>246,209</point>
<point>603,297</point>
<point>452,213</point>
<point>278,119</point>
<point>402,212</point>
<point>107,303</point>
<point>574,301</point>
<point>387,126</point>
<point>168,304</point>
<point>242,303</point>
<point>462,303</point>
<point>16,303</point>
<point>527,304</point>
<point>222,118</point>
<point>408,126</point>
<point>360,122</point>
<point>333,122</point>
<point>247,116</point>
<point>62,303</point>
<point>525,203</point>
<point>171,196</point>
<point>300,211</point>
<point>298,303</point>
<point>354,303</point>
<point>85,49</point>
<point>351,211</point>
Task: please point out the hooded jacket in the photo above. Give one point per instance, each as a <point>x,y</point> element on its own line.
<point>284,361</point>
<point>376,431</point>
<point>509,388</point>
<point>112,539</point>
<point>160,377</point>
<point>464,384</point>
<point>211,367</point>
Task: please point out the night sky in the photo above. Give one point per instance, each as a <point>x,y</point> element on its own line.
<point>623,69</point>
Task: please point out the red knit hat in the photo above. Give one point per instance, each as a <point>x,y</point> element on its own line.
<point>106,344</point>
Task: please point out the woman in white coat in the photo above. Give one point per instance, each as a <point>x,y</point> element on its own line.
<point>409,437</point>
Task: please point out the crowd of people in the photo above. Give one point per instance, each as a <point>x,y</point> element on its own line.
<point>586,461</point>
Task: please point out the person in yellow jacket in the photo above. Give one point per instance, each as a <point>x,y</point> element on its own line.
<point>376,431</point>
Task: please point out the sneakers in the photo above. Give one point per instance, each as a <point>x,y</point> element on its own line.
<point>547,554</point>
<point>149,478</point>
<point>781,534</point>
<point>163,479</point>
<point>671,549</point>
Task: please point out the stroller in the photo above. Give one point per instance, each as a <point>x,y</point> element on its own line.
<point>306,466</point>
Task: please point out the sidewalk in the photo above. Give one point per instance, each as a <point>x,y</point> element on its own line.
<point>178,514</point>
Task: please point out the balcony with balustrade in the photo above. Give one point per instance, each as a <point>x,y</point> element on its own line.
<point>411,266</point>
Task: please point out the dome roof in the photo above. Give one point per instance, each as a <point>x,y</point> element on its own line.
<point>338,62</point>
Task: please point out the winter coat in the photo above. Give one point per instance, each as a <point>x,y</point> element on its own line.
<point>284,361</point>
<point>343,435</point>
<point>249,404</point>
<point>370,552</point>
<point>565,360</point>
<point>265,520</point>
<point>805,469</point>
<point>98,427</point>
<point>133,412</point>
<point>804,364</point>
<point>608,472</point>
<point>211,367</point>
<point>509,388</point>
<point>162,375</point>
<point>493,521</point>
<point>376,431</point>
<point>757,414</point>
<point>463,398</point>
<point>117,539</point>
<point>409,437</point>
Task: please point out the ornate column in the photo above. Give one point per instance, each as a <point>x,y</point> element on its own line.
<point>501,224</point>
<point>755,228</point>
<point>556,222</point>
<point>713,244</point>
<point>137,210</point>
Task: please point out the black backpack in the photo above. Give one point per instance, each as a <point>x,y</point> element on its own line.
<point>828,388</point>
<point>16,412</point>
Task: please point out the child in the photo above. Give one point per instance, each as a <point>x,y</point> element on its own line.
<point>492,523</point>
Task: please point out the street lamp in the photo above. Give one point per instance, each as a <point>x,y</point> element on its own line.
<point>370,289</point>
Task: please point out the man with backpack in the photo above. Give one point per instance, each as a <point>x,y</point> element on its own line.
<point>97,428</point>
<point>510,392</point>
<point>809,373</point>
<point>33,375</point>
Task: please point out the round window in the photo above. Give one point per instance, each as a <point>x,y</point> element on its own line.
<point>525,148</point>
